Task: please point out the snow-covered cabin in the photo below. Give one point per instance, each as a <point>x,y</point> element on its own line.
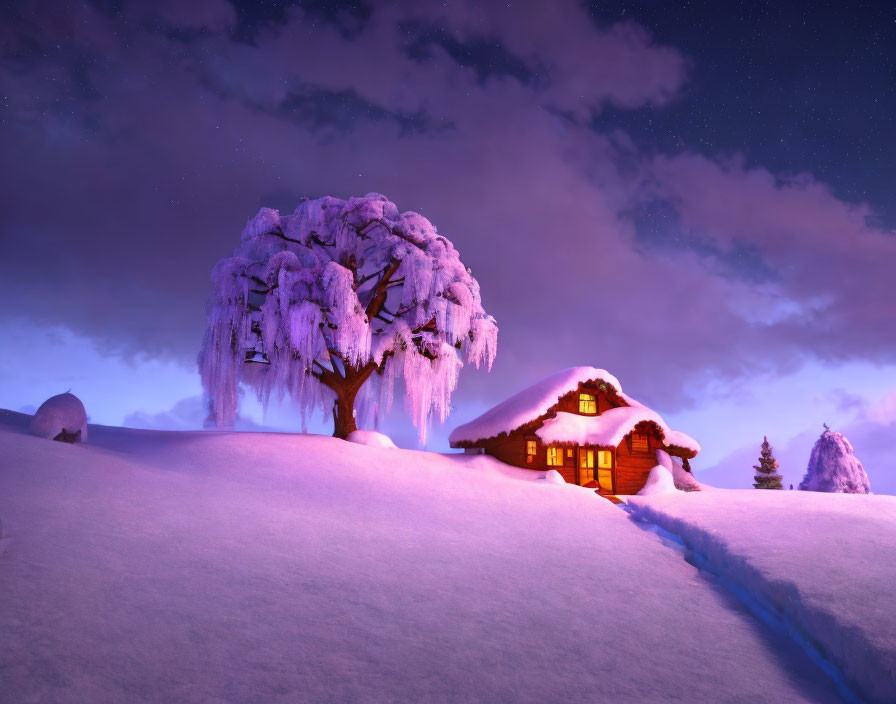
<point>579,422</point>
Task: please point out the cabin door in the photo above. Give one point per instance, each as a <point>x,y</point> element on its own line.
<point>605,471</point>
<point>596,465</point>
<point>585,466</point>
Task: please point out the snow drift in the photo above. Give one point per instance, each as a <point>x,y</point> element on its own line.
<point>824,562</point>
<point>370,438</point>
<point>659,481</point>
<point>683,480</point>
<point>193,567</point>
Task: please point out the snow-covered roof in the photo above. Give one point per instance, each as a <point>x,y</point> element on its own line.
<point>529,403</point>
<point>607,429</point>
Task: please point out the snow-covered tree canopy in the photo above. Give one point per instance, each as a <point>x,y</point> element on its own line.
<point>343,296</point>
<point>834,467</point>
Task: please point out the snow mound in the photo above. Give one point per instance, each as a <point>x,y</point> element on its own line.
<point>834,468</point>
<point>552,476</point>
<point>659,481</point>
<point>61,417</point>
<point>370,438</point>
<point>684,480</point>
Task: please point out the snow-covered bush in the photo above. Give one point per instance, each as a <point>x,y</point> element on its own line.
<point>61,417</point>
<point>683,480</point>
<point>371,438</point>
<point>342,297</point>
<point>834,468</point>
<point>659,481</point>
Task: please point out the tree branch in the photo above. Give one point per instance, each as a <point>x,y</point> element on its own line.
<point>379,291</point>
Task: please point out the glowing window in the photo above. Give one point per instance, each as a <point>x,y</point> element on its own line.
<point>604,459</point>
<point>555,456</point>
<point>569,452</point>
<point>586,466</point>
<point>530,447</point>
<point>640,443</point>
<point>605,479</point>
<point>587,403</point>
<point>586,459</point>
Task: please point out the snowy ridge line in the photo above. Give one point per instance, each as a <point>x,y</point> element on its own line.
<point>764,599</point>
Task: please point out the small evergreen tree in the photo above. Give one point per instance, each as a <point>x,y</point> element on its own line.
<point>767,476</point>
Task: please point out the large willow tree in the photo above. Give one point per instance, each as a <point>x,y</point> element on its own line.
<point>334,303</point>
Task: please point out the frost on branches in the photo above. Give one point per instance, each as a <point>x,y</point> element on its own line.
<point>834,468</point>
<point>336,302</point>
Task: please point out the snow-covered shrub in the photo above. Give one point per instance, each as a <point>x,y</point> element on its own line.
<point>834,468</point>
<point>659,481</point>
<point>61,417</point>
<point>371,438</point>
<point>342,297</point>
<point>684,480</point>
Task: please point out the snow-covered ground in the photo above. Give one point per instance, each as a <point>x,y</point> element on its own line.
<point>150,566</point>
<point>825,563</point>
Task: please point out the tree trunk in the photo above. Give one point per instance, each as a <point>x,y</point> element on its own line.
<point>344,412</point>
<point>346,389</point>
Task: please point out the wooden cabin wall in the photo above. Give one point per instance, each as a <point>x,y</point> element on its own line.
<point>633,468</point>
<point>512,450</point>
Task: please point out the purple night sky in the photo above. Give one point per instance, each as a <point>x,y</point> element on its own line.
<point>694,199</point>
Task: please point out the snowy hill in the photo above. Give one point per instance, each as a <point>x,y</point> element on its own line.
<point>823,563</point>
<point>153,566</point>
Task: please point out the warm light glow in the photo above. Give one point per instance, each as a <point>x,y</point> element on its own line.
<point>555,456</point>
<point>586,466</point>
<point>605,479</point>
<point>604,459</point>
<point>531,447</point>
<point>587,403</point>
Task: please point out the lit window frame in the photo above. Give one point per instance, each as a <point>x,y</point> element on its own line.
<point>587,404</point>
<point>531,451</point>
<point>555,456</point>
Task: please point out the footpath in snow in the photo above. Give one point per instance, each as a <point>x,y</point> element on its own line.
<point>196,567</point>
<point>824,563</point>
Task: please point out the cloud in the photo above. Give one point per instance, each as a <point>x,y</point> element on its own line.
<point>135,151</point>
<point>187,414</point>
